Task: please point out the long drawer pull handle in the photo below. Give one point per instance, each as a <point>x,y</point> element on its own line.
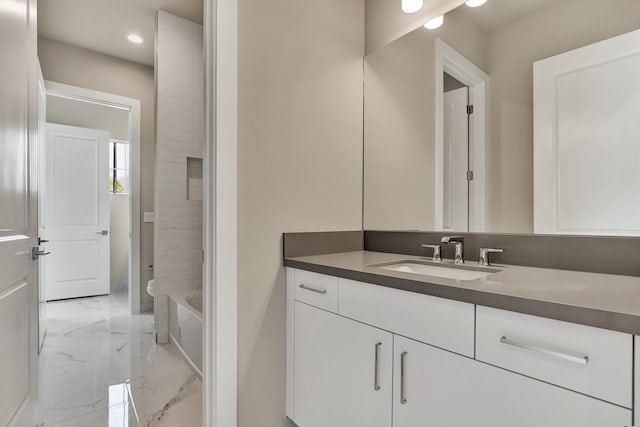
<point>403,388</point>
<point>581,360</point>
<point>318,291</point>
<point>376,368</point>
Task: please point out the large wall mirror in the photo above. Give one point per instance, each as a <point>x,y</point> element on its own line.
<point>535,126</point>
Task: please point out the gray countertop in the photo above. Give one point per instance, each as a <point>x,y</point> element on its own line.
<point>601,300</point>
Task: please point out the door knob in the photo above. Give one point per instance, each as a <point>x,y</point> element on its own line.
<point>37,253</point>
<point>103,232</point>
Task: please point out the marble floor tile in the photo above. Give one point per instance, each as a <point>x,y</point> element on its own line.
<point>100,366</point>
<point>115,416</point>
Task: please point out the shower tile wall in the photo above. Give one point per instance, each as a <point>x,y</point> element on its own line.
<point>179,137</point>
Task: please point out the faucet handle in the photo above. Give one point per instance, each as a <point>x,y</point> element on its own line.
<point>437,257</point>
<point>484,255</point>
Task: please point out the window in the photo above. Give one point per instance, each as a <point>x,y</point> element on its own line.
<point>118,166</point>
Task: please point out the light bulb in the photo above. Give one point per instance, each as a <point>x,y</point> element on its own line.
<point>475,3</point>
<point>412,6</point>
<point>435,23</point>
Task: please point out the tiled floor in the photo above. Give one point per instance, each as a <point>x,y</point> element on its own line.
<point>100,367</point>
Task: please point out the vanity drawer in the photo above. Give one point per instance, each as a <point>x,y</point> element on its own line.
<point>317,290</point>
<point>593,361</point>
<point>443,323</point>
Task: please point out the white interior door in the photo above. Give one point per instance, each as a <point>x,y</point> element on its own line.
<point>77,212</point>
<point>587,139</point>
<point>456,160</point>
<point>18,217</point>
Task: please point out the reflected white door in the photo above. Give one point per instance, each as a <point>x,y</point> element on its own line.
<point>77,212</point>
<point>456,160</point>
<point>587,139</point>
<point>18,217</point>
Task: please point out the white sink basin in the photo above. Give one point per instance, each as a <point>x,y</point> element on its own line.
<point>437,271</point>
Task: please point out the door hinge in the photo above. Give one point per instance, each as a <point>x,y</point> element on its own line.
<point>469,109</point>
<point>469,175</point>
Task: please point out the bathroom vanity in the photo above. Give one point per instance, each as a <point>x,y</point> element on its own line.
<point>371,344</point>
<point>513,117</point>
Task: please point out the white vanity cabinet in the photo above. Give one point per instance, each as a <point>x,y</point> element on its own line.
<point>436,387</point>
<point>342,373</point>
<point>366,355</point>
<point>592,361</point>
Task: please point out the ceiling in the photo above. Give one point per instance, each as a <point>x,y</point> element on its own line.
<point>103,25</point>
<point>495,14</point>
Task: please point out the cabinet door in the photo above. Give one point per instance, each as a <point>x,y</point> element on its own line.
<point>438,388</point>
<point>342,374</point>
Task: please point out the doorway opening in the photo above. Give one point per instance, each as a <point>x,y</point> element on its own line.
<point>457,167</point>
<point>461,125</point>
<point>90,201</point>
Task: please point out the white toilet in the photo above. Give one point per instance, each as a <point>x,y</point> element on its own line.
<point>151,288</point>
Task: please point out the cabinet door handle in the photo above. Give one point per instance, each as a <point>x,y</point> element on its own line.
<point>376,368</point>
<point>581,360</point>
<point>403,387</point>
<point>309,288</point>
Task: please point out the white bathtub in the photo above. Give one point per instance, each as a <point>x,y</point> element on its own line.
<point>185,328</point>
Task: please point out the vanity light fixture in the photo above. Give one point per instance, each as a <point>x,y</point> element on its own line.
<point>435,23</point>
<point>475,3</point>
<point>134,38</point>
<point>412,6</point>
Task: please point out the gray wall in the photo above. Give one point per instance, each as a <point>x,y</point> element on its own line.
<point>299,166</point>
<point>70,65</point>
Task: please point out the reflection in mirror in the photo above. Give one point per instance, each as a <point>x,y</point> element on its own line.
<point>433,164</point>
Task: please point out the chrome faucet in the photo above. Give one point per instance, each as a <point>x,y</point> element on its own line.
<point>436,252</point>
<point>484,255</point>
<point>458,241</point>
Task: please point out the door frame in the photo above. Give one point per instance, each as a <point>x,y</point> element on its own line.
<point>450,61</point>
<point>133,106</point>
<point>220,297</point>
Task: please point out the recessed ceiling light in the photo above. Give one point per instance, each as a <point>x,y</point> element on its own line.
<point>134,38</point>
<point>412,6</point>
<point>435,23</point>
<point>475,3</point>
